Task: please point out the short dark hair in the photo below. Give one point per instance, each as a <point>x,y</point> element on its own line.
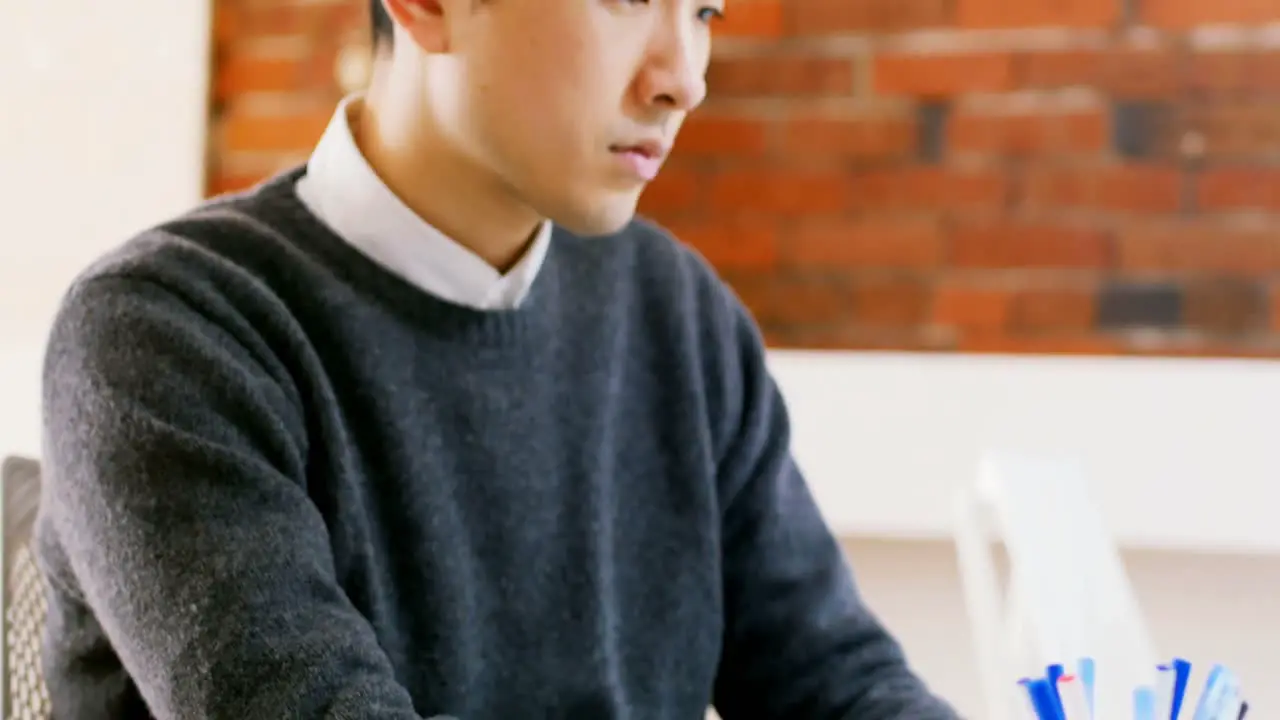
<point>381,24</point>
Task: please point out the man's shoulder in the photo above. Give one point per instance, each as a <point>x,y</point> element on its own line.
<point>225,243</point>
<point>222,271</point>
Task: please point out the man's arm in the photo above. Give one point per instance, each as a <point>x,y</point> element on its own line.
<point>175,467</point>
<point>799,642</point>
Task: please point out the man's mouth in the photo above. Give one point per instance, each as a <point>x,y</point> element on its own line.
<point>643,158</point>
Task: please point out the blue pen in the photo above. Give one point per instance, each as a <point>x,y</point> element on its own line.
<point>1165,680</point>
<point>1052,673</point>
<point>1228,705</point>
<point>1144,703</point>
<point>1086,670</point>
<point>1211,695</point>
<point>1029,711</point>
<point>1044,699</point>
<point>1181,674</point>
<point>1244,710</point>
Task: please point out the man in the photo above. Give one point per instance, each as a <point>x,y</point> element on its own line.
<point>432,426</point>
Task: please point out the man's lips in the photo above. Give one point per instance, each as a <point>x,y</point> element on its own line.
<point>643,158</point>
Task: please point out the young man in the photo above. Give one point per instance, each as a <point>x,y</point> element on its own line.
<point>432,426</point>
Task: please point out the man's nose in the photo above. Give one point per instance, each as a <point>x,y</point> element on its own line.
<point>675,76</point>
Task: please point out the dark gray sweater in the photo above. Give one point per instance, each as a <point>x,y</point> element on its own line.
<point>283,483</point>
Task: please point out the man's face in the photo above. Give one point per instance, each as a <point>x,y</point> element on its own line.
<point>571,104</point>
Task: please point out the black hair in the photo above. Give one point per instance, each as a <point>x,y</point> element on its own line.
<point>380,23</point>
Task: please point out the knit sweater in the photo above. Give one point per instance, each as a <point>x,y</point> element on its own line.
<point>283,482</point>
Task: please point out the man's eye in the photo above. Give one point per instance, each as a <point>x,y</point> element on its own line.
<point>709,14</point>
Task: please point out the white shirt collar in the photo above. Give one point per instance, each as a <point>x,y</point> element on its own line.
<point>343,190</point>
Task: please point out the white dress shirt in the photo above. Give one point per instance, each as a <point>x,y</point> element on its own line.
<point>344,191</point>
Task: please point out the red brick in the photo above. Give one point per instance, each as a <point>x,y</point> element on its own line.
<point>1029,134</point>
<point>909,243</point>
<point>943,75</point>
<point>851,137</point>
<point>846,337</point>
<point>1139,188</point>
<point>1053,187</point>
<point>797,300</point>
<point>1236,130</point>
<point>711,135</point>
<point>1182,346</point>
<point>824,17</point>
<point>246,74</point>
<point>678,188</point>
<point>243,20</point>
<point>241,71</point>
<point>753,290</point>
<point>1128,73</point>
<point>891,302</point>
<point>226,23</point>
<point>1034,13</point>
<point>1238,188</point>
<point>971,307</point>
<point>1274,296</point>
<point>1200,247</point>
<point>1024,245</point>
<point>753,18</point>
<point>221,183</point>
<point>785,75</point>
<point>1053,309</point>
<point>1226,306</point>
<point>1239,72</point>
<point>1078,344</point>
<point>780,191</point>
<point>1184,14</point>
<point>930,188</point>
<point>732,242</point>
<point>1115,188</point>
<point>285,132</point>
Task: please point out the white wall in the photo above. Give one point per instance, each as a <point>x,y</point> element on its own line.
<point>108,138</point>
<point>1181,453</point>
<point>102,128</point>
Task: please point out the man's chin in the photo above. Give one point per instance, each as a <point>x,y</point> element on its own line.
<point>600,219</point>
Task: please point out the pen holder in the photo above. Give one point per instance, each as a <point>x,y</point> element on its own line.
<point>1070,693</point>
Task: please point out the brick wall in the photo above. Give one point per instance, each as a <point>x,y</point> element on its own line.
<point>1064,176</point>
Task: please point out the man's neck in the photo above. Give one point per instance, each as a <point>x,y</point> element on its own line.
<point>459,199</point>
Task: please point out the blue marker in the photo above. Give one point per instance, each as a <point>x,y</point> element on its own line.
<point>1181,674</point>
<point>1044,699</point>
<point>1086,670</point>
<point>1144,703</point>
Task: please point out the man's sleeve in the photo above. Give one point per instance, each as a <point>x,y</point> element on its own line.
<point>799,642</point>
<point>175,470</point>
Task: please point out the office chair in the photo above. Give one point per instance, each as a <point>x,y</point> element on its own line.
<point>25,695</point>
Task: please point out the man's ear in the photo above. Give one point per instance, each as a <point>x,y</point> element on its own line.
<point>423,21</point>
